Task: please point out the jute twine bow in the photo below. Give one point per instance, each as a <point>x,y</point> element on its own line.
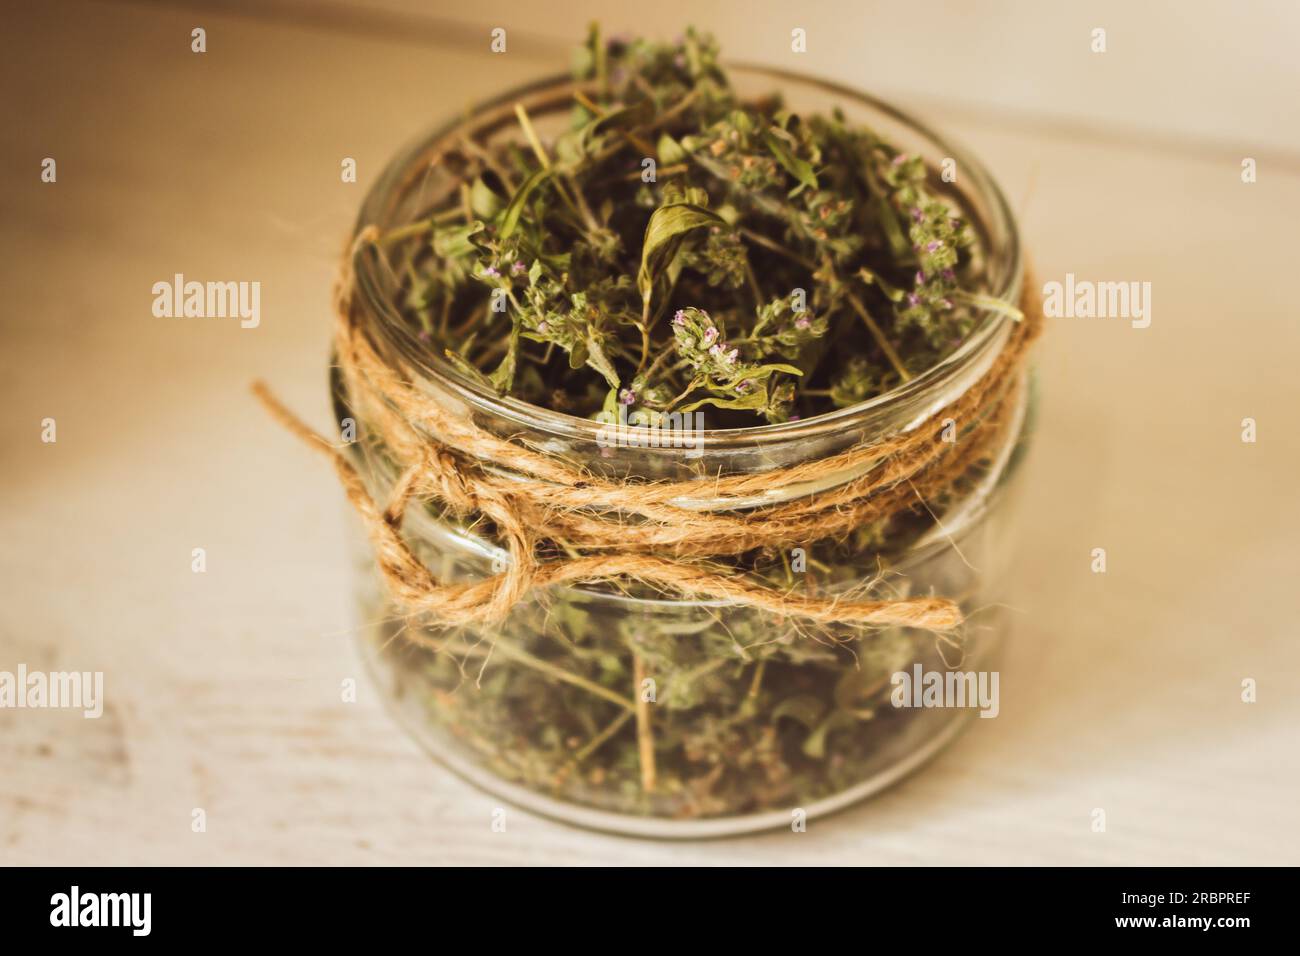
<point>621,530</point>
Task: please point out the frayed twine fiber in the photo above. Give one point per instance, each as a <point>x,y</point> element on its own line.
<point>621,530</point>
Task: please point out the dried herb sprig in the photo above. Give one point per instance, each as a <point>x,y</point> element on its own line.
<point>674,246</point>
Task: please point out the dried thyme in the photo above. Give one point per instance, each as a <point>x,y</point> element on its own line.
<point>677,247</point>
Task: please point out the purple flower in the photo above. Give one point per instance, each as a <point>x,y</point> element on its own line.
<point>946,303</point>
<point>719,351</point>
<point>948,274</point>
<point>542,327</point>
<point>899,160</point>
<point>491,271</point>
<point>627,397</point>
<point>920,277</point>
<point>680,317</point>
<point>709,335</point>
<point>802,322</point>
<point>933,245</point>
<point>518,268</point>
<point>917,214</point>
<point>913,299</point>
<point>742,387</point>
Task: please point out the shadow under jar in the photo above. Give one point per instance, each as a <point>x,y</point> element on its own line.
<point>756,720</point>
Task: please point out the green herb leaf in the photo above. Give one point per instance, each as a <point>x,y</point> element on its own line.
<point>504,375</point>
<point>452,242</point>
<point>800,169</point>
<point>670,151</point>
<point>510,218</point>
<point>486,196</point>
<point>597,359</point>
<point>664,233</point>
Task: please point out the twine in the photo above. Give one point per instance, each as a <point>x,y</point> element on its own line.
<point>630,529</point>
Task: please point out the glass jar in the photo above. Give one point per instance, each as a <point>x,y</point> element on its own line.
<point>754,722</point>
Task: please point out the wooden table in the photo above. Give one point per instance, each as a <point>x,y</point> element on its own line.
<point>1122,691</point>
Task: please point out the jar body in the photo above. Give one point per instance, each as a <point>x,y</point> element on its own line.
<point>641,713</point>
<point>755,722</point>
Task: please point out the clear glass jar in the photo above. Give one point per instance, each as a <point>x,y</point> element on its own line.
<point>752,722</point>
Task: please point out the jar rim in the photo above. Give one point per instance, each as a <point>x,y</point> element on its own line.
<point>980,345</point>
